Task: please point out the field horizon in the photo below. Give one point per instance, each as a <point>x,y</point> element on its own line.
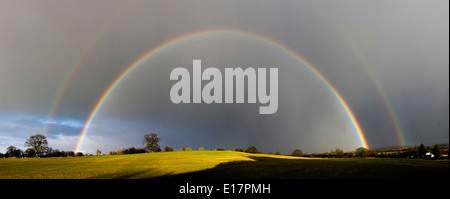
<point>218,165</point>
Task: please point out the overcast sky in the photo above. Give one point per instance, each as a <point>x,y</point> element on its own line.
<point>402,45</point>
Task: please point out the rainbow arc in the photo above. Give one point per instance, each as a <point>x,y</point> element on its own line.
<point>185,37</point>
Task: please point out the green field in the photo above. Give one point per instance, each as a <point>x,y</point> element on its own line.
<point>217,164</point>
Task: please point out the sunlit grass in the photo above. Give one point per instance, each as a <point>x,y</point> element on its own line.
<point>120,166</point>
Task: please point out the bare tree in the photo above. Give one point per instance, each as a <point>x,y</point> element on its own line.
<point>38,143</point>
<point>338,152</point>
<point>98,152</point>
<point>151,142</point>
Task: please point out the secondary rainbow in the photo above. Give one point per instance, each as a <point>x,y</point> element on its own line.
<point>173,41</point>
<point>392,115</point>
<point>76,65</point>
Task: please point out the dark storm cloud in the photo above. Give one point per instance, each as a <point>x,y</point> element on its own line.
<point>405,46</point>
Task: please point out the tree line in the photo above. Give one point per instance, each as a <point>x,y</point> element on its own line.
<point>38,147</point>
<point>418,152</point>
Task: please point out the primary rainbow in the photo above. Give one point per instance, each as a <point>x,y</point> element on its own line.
<point>173,41</point>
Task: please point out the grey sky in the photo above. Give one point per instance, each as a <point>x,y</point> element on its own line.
<point>404,43</point>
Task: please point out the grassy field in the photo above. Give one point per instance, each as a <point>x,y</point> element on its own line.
<point>217,164</point>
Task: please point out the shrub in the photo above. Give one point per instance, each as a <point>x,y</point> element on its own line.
<point>70,153</point>
<point>252,149</point>
<point>79,154</point>
<point>297,152</point>
<point>168,148</point>
<point>361,152</point>
<point>240,150</point>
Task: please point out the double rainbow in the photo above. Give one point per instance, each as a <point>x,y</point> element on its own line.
<point>392,115</point>
<point>176,40</point>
